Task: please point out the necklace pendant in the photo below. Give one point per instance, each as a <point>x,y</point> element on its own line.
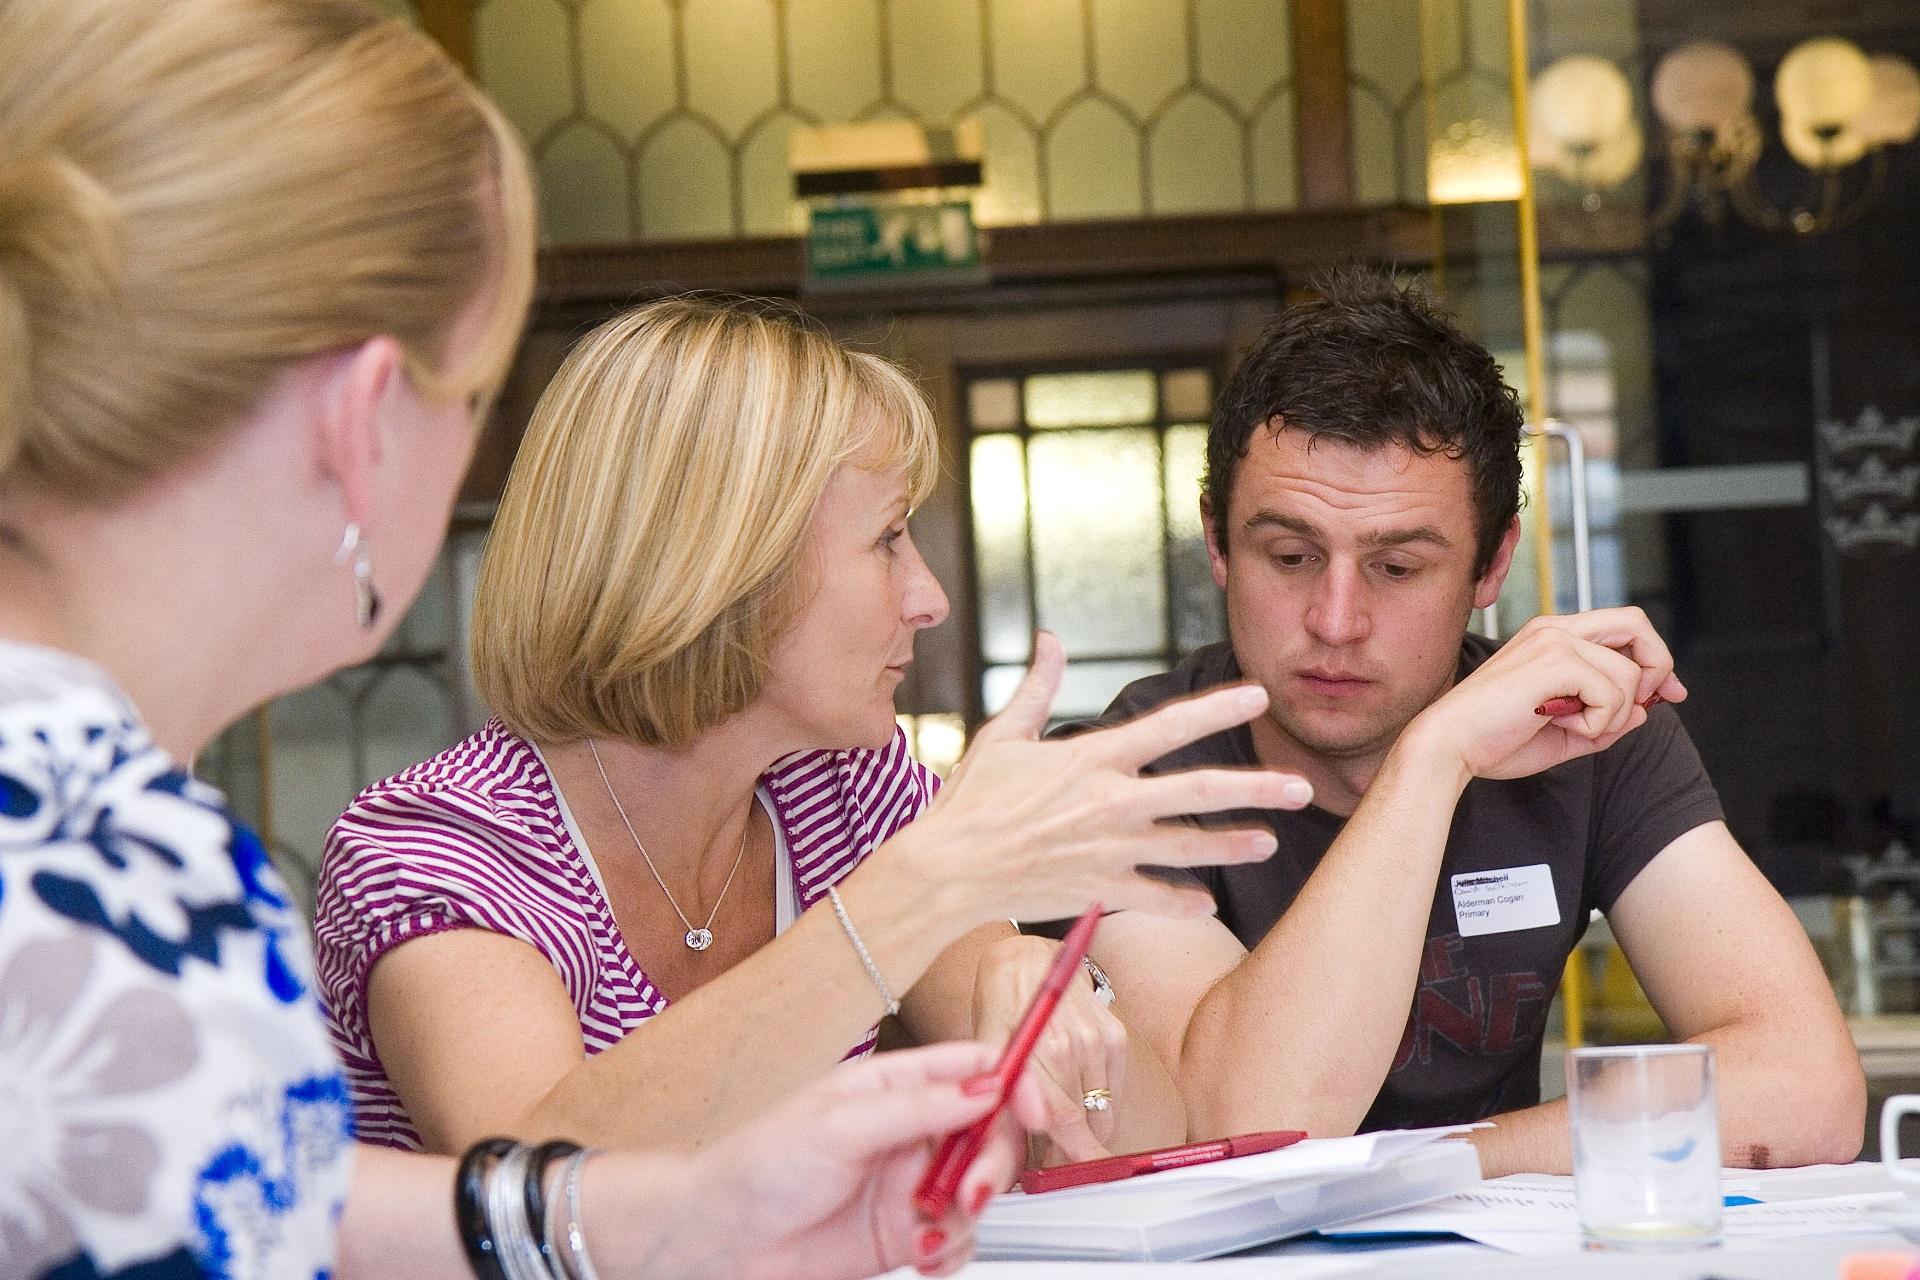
<point>699,939</point>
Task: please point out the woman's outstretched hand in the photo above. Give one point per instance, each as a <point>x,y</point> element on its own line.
<point>1037,830</point>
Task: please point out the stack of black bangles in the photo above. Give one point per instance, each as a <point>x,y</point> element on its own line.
<point>506,1218</point>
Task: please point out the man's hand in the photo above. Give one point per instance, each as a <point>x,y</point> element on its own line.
<point>1612,660</point>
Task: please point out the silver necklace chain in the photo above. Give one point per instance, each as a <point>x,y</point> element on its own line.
<point>700,937</point>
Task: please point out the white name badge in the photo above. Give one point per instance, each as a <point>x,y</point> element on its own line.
<point>1505,900</point>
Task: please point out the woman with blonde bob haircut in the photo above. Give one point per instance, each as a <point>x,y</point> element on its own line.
<point>690,863</point>
<point>646,603</point>
<point>261,261</point>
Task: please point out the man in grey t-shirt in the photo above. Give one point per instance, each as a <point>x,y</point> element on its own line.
<point>1392,963</point>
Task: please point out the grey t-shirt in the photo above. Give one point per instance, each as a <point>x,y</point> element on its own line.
<point>1472,1043</point>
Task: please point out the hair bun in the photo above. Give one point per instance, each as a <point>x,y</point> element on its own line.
<point>60,259</point>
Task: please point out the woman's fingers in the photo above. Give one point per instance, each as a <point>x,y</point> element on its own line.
<point>893,1099</point>
<point>1073,1063</point>
<point>951,1060</point>
<point>943,1248</point>
<point>1027,712</point>
<point>1195,791</point>
<point>1183,845</point>
<point>1134,745</point>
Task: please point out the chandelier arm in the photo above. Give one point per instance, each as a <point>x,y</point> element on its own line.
<point>1878,169</point>
<point>1753,206</point>
<point>1814,221</point>
<point>1679,192</point>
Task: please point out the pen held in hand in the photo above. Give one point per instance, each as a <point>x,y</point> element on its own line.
<point>941,1182</point>
<point>1554,707</point>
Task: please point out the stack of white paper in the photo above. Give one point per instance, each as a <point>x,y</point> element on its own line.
<point>1201,1211</point>
<point>1537,1215</point>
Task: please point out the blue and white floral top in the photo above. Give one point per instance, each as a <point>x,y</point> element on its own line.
<point>168,1103</point>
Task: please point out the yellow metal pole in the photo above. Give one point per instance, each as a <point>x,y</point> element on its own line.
<point>1532,319</point>
<point>1429,74</point>
<point>1573,984</point>
<point>1573,998</point>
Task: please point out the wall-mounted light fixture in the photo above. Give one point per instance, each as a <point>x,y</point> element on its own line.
<point>1838,107</point>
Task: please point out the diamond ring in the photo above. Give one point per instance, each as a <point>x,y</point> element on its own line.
<point>1097,1099</point>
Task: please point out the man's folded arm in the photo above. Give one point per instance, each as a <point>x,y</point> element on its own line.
<point>1725,963</point>
<point>1301,1032</point>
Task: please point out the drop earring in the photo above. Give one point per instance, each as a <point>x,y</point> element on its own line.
<point>366,598</point>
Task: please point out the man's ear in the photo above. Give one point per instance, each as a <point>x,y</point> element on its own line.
<point>1487,589</point>
<point>353,393</point>
<point>1216,550</point>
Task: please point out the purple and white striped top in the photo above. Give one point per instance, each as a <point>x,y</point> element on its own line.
<point>478,837</point>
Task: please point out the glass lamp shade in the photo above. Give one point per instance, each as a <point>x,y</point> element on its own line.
<point>1582,102</point>
<point>1598,168</point>
<point>1705,85</point>
<point>1838,148</point>
<point>1615,160</point>
<point>1893,114</point>
<point>1823,83</point>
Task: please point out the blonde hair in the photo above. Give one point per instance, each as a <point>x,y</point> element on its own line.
<point>195,193</point>
<point>648,548</point>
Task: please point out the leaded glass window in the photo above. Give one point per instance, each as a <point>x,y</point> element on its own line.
<point>1085,487</point>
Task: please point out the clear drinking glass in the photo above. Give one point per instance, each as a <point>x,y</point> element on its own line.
<point>1646,1145</point>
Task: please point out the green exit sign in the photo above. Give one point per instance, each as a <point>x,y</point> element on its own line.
<point>892,244</point>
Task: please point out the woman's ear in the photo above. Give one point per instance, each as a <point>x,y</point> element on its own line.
<point>353,399</point>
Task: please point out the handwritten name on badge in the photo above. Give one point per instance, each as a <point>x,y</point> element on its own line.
<point>1505,900</point>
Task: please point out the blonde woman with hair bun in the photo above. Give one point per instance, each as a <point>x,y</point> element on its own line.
<point>690,864</point>
<point>262,263</point>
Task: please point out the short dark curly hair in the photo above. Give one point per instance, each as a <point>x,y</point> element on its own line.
<point>1372,361</point>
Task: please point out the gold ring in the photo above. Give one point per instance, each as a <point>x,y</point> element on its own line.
<point>1097,1099</point>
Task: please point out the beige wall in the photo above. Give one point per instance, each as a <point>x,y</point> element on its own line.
<point>660,120</point>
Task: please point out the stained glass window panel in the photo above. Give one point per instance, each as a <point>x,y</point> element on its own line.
<point>999,489</point>
<point>1186,395</point>
<point>1085,688</point>
<point>1197,614</point>
<point>1104,399</point>
<point>1099,571</point>
<point>993,404</point>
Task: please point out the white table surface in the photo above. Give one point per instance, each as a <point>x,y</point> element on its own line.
<point>1816,1258</point>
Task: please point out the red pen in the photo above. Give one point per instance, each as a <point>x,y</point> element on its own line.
<point>941,1182</point>
<point>1569,706</point>
<point>1115,1168</point>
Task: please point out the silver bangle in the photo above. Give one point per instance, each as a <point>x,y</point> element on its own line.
<point>574,1259</point>
<point>514,1245</point>
<point>866,957</point>
<point>1102,985</point>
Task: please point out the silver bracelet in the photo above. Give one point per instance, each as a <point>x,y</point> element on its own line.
<point>574,1261</point>
<point>866,957</point>
<point>1102,985</point>
<point>514,1245</point>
